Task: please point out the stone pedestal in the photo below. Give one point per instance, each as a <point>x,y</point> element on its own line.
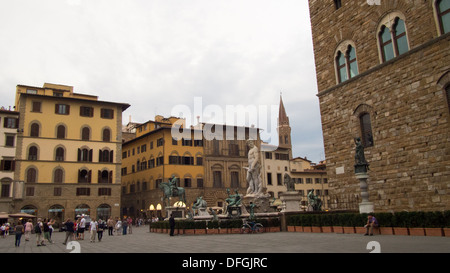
<point>178,212</point>
<point>291,201</point>
<point>262,203</point>
<point>365,206</point>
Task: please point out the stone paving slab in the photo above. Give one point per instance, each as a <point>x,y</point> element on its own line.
<point>142,241</point>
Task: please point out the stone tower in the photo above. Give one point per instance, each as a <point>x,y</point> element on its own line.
<point>284,129</point>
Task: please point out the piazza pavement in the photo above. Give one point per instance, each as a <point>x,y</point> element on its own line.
<point>142,241</point>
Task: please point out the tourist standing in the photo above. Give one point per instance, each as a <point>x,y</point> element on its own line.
<point>46,231</point>
<point>124,226</point>
<point>38,231</point>
<point>82,227</point>
<point>130,224</point>
<point>18,231</point>
<point>172,224</point>
<point>118,226</point>
<point>110,225</point>
<point>50,224</point>
<point>28,229</point>
<point>100,228</point>
<point>93,229</point>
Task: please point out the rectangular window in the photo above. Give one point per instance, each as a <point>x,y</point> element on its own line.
<point>160,161</point>
<point>159,142</point>
<point>83,191</point>
<point>187,183</point>
<point>104,191</point>
<point>9,141</point>
<point>7,165</point>
<point>269,178</point>
<point>29,191</point>
<point>11,123</point>
<point>36,106</point>
<point>86,111</point>
<point>279,180</point>
<point>5,190</point>
<point>107,113</point>
<point>57,191</point>
<point>199,182</point>
<point>337,4</point>
<point>62,109</point>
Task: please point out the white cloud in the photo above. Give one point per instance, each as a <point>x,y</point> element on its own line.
<point>155,54</point>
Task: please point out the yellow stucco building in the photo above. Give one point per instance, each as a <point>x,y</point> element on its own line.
<point>152,157</point>
<point>68,154</point>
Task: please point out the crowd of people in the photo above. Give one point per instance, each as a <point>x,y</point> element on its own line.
<point>74,229</point>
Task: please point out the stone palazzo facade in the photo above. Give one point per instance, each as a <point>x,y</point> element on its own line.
<point>383,75</point>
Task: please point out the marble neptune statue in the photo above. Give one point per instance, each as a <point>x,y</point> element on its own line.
<point>254,170</point>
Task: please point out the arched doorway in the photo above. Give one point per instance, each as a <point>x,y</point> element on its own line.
<point>82,209</point>
<point>103,212</point>
<point>56,212</point>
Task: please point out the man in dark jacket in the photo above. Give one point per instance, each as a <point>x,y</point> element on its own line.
<point>172,224</point>
<point>69,229</point>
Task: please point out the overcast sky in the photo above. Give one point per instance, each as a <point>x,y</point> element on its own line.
<point>159,54</point>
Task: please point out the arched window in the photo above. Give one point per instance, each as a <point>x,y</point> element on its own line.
<point>443,14</point>
<point>84,154</point>
<point>33,153</point>
<point>31,175</point>
<point>105,177</point>
<point>61,132</point>
<point>34,130</point>
<point>386,44</point>
<point>84,176</point>
<point>366,130</point>
<point>342,68</point>
<point>85,133</point>
<point>392,37</point>
<point>58,176</point>
<point>59,154</point>
<point>400,41</point>
<point>346,64</point>
<point>106,135</point>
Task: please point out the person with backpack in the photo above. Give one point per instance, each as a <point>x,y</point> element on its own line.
<point>46,231</point>
<point>38,231</point>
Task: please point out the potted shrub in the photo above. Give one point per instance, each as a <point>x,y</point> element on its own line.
<point>446,221</point>
<point>316,223</point>
<point>434,222</point>
<point>337,223</point>
<point>306,223</point>
<point>189,227</point>
<point>212,227</point>
<point>200,227</point>
<point>348,223</point>
<point>385,222</point>
<point>400,225</point>
<point>416,223</point>
<point>327,223</point>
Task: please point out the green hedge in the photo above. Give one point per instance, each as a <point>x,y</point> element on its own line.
<point>397,219</point>
<point>190,224</point>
